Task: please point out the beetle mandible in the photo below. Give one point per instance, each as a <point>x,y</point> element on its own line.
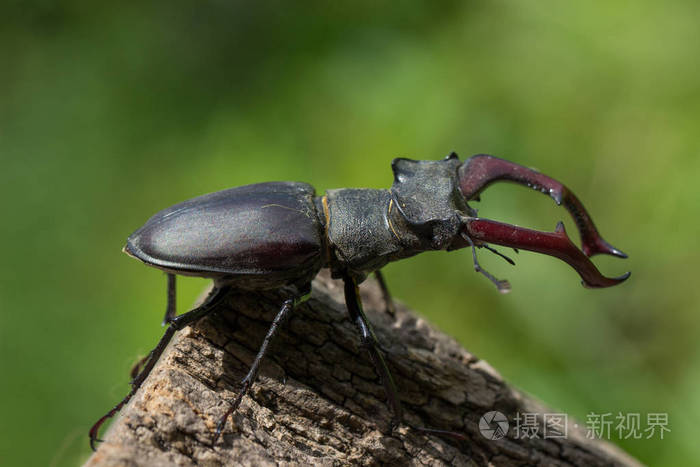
<point>270,235</point>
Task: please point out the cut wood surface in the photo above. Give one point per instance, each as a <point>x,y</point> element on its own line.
<point>318,400</point>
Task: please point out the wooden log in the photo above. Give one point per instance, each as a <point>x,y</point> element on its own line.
<point>318,400</point>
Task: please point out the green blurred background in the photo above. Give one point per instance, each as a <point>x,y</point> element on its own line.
<point>109,113</point>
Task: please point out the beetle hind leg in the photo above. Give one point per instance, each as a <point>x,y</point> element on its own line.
<point>176,323</point>
<point>282,316</point>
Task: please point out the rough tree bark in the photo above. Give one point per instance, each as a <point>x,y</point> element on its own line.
<point>318,400</point>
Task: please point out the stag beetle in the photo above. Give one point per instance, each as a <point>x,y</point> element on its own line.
<point>270,235</point>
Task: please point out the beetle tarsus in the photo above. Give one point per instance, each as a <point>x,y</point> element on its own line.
<point>232,408</point>
<point>94,440</point>
<point>445,433</point>
<point>502,285</point>
<point>175,324</point>
<point>135,384</point>
<point>282,316</point>
<point>138,366</point>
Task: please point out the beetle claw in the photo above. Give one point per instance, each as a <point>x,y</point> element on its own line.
<point>93,443</point>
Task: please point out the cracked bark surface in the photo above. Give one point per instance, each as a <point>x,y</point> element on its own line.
<point>318,400</point>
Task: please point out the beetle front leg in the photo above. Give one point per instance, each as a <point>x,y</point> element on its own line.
<point>502,285</point>
<point>480,171</point>
<point>369,342</point>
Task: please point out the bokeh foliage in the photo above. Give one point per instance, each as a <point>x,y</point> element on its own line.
<point>109,113</point>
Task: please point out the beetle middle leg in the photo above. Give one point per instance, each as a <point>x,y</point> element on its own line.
<point>369,341</point>
<point>176,323</point>
<point>282,316</point>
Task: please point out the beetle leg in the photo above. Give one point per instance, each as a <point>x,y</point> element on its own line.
<point>498,253</point>
<point>138,366</point>
<point>287,307</point>
<point>479,171</point>
<point>170,312</point>
<point>135,385</point>
<point>453,435</point>
<point>171,309</point>
<point>557,244</point>
<point>176,324</point>
<point>390,308</point>
<point>369,342</point>
<point>502,285</point>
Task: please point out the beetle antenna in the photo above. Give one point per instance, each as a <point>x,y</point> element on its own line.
<point>493,250</point>
<point>502,285</point>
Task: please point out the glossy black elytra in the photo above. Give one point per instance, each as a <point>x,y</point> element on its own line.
<point>270,235</point>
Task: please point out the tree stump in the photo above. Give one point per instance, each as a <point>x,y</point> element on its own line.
<point>318,400</point>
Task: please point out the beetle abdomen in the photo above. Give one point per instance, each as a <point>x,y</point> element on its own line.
<point>269,230</point>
